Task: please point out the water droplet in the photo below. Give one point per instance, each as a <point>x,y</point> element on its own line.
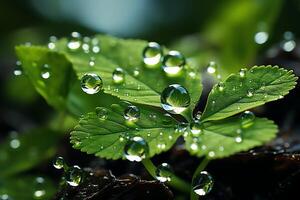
<point>73,176</point>
<point>75,41</point>
<point>15,143</point>
<point>59,163</point>
<point>212,67</point>
<point>45,71</point>
<point>198,115</point>
<point>39,194</point>
<point>152,54</point>
<point>102,113</point>
<point>92,61</point>
<point>250,93</point>
<point>91,83</point>
<point>136,72</point>
<point>288,44</point>
<point>118,75</point>
<point>247,119</point>
<point>221,86</point>
<point>163,172</point>
<point>196,127</point>
<point>175,99</point>
<point>51,43</point>
<point>243,72</point>
<point>181,127</point>
<point>95,45</point>
<point>173,62</point>
<point>18,69</point>
<point>194,146</point>
<point>261,37</point>
<point>5,197</point>
<point>211,154</point>
<point>136,149</point>
<point>203,183</point>
<point>132,113</point>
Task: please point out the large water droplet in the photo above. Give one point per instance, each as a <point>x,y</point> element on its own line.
<point>102,113</point>
<point>203,183</point>
<point>136,149</point>
<point>75,41</point>
<point>175,99</point>
<point>45,71</point>
<point>59,163</point>
<point>173,62</point>
<point>152,54</point>
<point>91,83</point>
<point>118,75</point>
<point>196,127</point>
<point>247,119</point>
<point>132,113</point>
<point>73,176</point>
<point>163,172</point>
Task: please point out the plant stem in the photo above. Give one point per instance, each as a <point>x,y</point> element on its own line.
<point>175,182</point>
<point>200,168</point>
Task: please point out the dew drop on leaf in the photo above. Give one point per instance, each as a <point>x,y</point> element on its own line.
<point>242,72</point>
<point>14,142</point>
<point>194,146</point>
<point>247,119</point>
<point>132,113</point>
<point>197,115</point>
<point>136,72</point>
<point>73,176</point>
<point>163,172</point>
<point>95,45</point>
<point>261,37</point>
<point>91,83</point>
<point>175,99</point>
<point>5,197</point>
<point>45,71</point>
<point>74,42</point>
<point>221,86</point>
<point>181,127</point>
<point>196,127</point>
<point>92,61</point>
<point>136,149</point>
<point>203,183</point>
<point>52,42</point>
<point>59,163</point>
<point>118,75</point>
<point>102,113</point>
<point>249,93</point>
<point>173,62</point>
<point>152,54</point>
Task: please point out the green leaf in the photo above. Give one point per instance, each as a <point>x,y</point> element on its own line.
<point>25,188</point>
<point>56,87</point>
<point>218,138</point>
<point>261,84</point>
<point>107,138</point>
<point>127,54</point>
<point>30,149</point>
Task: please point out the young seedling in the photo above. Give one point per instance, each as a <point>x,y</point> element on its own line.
<point>136,99</point>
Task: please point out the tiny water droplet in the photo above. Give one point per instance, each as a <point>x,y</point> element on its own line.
<point>73,175</point>
<point>175,99</point>
<point>75,41</point>
<point>5,197</point>
<point>152,54</point>
<point>211,154</point>
<point>197,115</point>
<point>196,127</point>
<point>221,86</point>
<point>45,71</point>
<point>14,142</point>
<point>132,113</point>
<point>249,93</point>
<point>118,75</point>
<point>92,61</point>
<point>136,149</point>
<point>95,45</point>
<point>91,83</point>
<point>288,44</point>
<point>136,72</point>
<point>203,183</point>
<point>212,67</point>
<point>247,119</point>
<point>59,163</point>
<point>181,127</point>
<point>18,69</point>
<point>173,62</point>
<point>102,113</point>
<point>194,146</point>
<point>243,72</point>
<point>52,42</point>
<point>163,172</point>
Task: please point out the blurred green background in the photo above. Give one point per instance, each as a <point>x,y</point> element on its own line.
<point>234,33</point>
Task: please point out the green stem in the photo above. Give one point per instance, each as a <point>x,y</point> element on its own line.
<point>200,168</point>
<point>175,182</point>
